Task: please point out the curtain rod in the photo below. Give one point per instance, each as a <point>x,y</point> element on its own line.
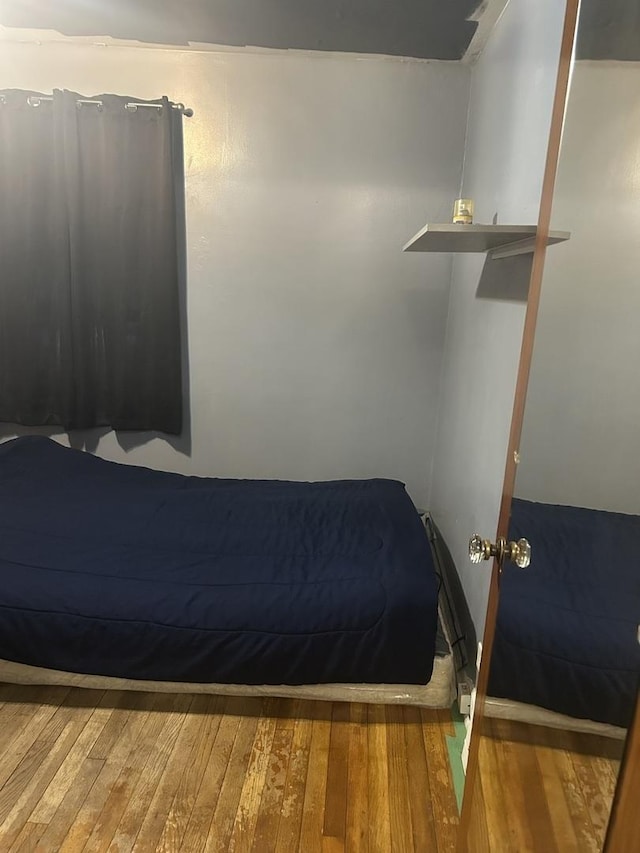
<point>132,106</point>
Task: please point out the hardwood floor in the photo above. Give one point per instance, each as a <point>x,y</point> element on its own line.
<point>541,789</point>
<point>89,771</point>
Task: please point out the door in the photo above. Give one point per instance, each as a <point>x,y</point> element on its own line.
<point>559,675</point>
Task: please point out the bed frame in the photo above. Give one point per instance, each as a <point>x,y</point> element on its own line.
<point>508,709</point>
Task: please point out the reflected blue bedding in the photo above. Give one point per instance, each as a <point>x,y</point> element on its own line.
<point>566,629</point>
<point>119,570</point>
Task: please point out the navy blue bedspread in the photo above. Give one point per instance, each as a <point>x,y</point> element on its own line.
<point>566,630</point>
<point>119,570</point>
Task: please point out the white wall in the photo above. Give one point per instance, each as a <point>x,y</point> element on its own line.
<point>512,92</point>
<point>581,431</point>
<point>315,345</point>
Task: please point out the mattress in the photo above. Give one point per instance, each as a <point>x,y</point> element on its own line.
<point>440,692</point>
<point>120,571</point>
<point>566,631</point>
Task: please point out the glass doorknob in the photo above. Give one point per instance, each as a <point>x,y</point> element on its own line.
<point>479,549</point>
<point>519,553</point>
<point>482,549</point>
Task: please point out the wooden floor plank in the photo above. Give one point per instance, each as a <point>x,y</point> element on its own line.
<point>436,725</point>
<point>22,776</point>
<point>15,744</point>
<point>228,800</point>
<point>357,818</point>
<point>335,809</point>
<point>56,724</point>
<point>120,775</point>
<point>332,845</point>
<point>33,776</point>
<point>123,703</point>
<point>199,824</point>
<point>599,806</point>
<point>573,794</point>
<point>478,839</point>
<point>68,770</point>
<point>13,727</point>
<point>22,699</point>
<point>155,819</point>
<point>607,772</point>
<point>184,798</point>
<point>378,780</point>
<point>527,811</point>
<point>262,830</point>
<point>399,793</point>
<point>290,827</point>
<point>66,813</point>
<point>24,788</point>
<point>496,821</point>
<point>315,792</point>
<point>561,818</point>
<point>135,716</point>
<point>28,841</point>
<point>420,798</point>
<point>142,796</point>
<point>255,776</point>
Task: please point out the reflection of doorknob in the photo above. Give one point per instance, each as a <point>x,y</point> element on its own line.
<point>482,549</point>
<point>518,552</point>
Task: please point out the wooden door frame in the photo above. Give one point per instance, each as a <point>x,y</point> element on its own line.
<point>524,369</point>
<point>623,832</point>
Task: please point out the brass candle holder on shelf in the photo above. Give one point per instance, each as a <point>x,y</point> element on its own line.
<point>463,211</point>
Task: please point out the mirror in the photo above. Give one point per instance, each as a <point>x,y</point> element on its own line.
<point>512,96</point>
<point>565,661</point>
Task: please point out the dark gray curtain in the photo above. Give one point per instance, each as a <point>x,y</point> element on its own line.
<point>89,294</point>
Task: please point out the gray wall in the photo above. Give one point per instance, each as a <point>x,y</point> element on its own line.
<point>315,345</point>
<point>581,437</point>
<point>512,93</point>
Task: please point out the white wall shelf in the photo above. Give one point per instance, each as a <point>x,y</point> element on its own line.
<point>500,241</point>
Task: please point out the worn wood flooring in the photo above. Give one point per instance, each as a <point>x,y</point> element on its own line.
<point>89,771</point>
<point>542,790</point>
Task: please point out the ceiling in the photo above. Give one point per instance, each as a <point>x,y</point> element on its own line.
<point>609,29</point>
<point>429,29</point>
<point>426,29</point>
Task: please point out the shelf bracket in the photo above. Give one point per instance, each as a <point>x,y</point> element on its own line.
<point>522,247</point>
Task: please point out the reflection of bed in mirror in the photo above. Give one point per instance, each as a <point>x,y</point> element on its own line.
<point>562,667</point>
<point>581,593</point>
<point>563,651</point>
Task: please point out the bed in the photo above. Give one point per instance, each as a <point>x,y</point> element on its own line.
<point>566,632</point>
<point>119,576</point>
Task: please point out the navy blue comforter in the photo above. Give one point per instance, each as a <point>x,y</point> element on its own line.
<point>566,630</point>
<point>119,570</point>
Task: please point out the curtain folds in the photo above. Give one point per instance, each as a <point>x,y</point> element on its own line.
<point>89,292</point>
